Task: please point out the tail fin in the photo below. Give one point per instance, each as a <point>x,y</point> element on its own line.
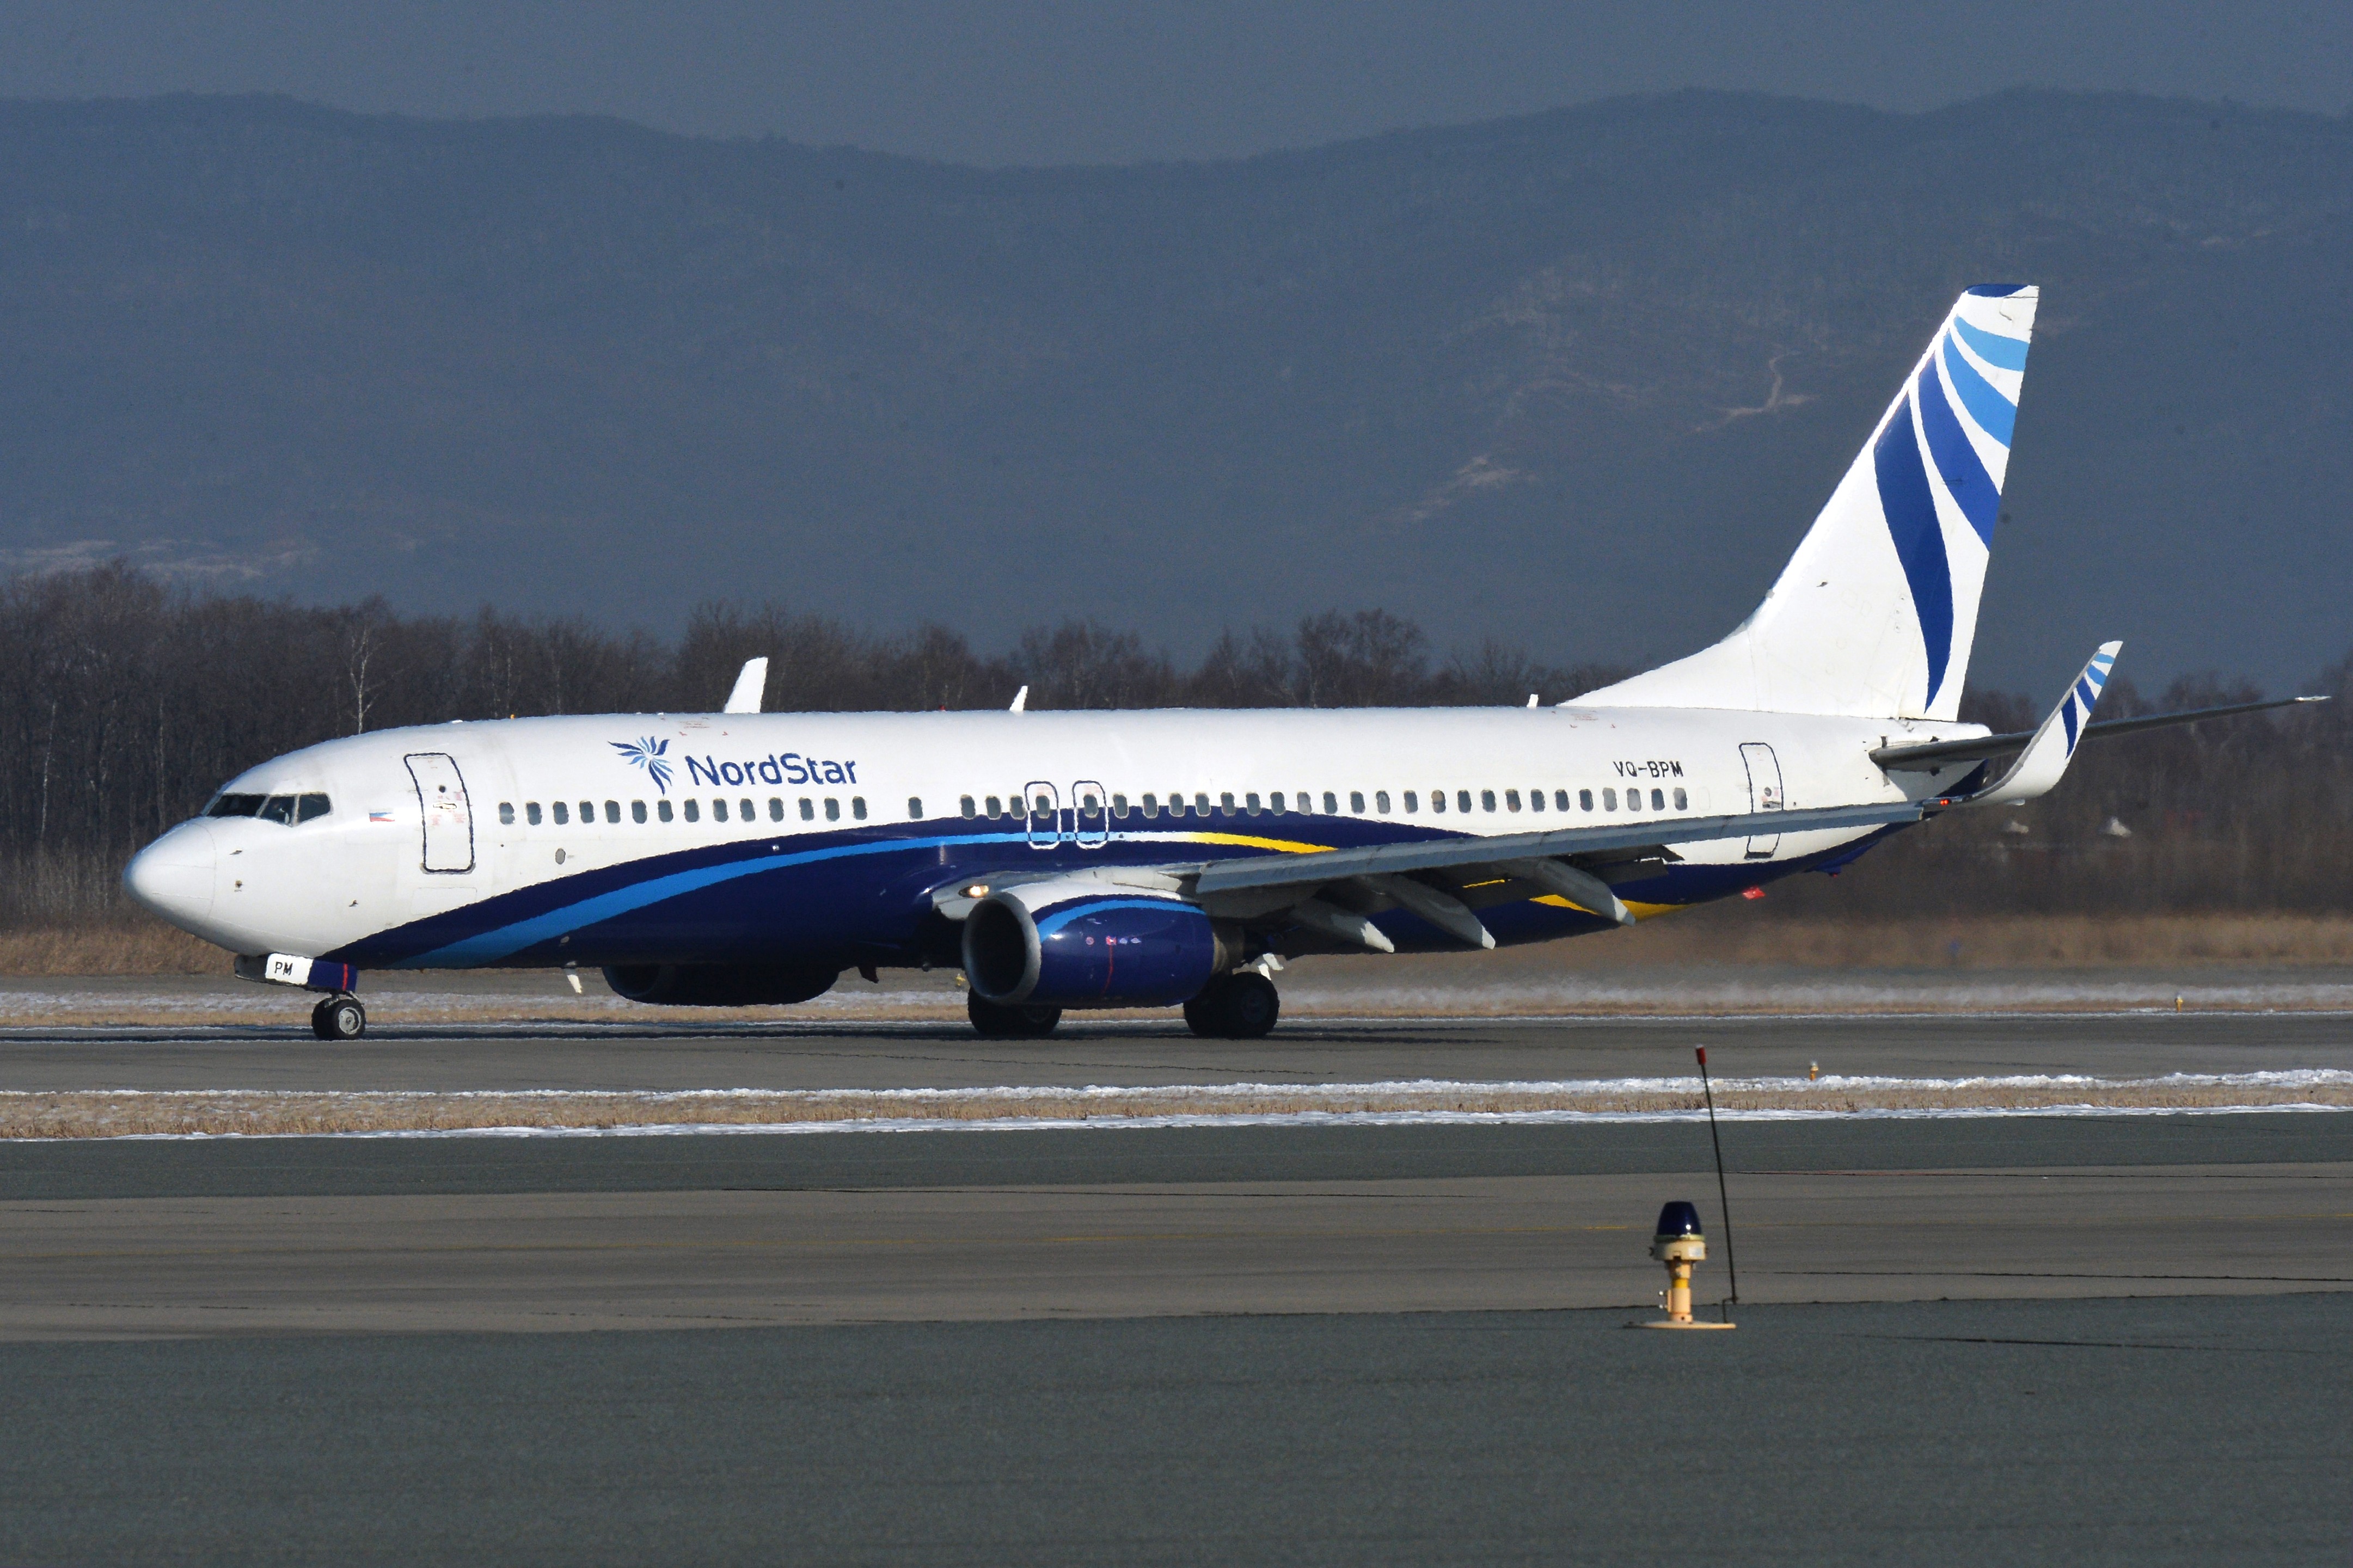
<point>1875,614</point>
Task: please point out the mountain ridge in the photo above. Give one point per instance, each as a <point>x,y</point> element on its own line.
<point>1575,379</point>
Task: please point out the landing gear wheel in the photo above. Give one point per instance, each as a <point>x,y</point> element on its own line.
<point>339,1017</point>
<point>1011,1021</point>
<point>1239,1006</point>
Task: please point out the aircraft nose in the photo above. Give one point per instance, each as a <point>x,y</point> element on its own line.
<point>173,876</point>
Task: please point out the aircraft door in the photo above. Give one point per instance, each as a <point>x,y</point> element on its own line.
<point>448,817</point>
<point>1764,793</point>
<point>1090,814</point>
<point>1044,804</point>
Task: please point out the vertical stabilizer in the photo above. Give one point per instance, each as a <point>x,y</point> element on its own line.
<point>1875,614</point>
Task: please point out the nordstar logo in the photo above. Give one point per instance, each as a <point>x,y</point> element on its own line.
<point>647,753</point>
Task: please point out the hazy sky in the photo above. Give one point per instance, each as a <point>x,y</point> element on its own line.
<point>1044,82</point>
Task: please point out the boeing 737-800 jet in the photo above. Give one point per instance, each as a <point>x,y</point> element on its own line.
<point>1169,858</point>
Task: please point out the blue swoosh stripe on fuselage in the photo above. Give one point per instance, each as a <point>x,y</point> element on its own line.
<point>1515,922</point>
<point>502,941</point>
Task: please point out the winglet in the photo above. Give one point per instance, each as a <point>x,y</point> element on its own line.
<point>749,687</point>
<point>2046,756</point>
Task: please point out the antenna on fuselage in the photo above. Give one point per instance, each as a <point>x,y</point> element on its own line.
<point>1020,701</point>
<point>749,687</point>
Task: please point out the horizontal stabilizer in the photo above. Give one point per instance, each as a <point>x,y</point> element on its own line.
<point>1938,752</point>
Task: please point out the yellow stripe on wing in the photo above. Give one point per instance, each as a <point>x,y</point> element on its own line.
<point>1640,911</point>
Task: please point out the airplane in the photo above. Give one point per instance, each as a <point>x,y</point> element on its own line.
<point>1170,858</point>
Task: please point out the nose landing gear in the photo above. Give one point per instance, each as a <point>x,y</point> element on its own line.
<point>339,1017</point>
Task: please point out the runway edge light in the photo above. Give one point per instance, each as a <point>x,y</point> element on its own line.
<point>1679,1243</point>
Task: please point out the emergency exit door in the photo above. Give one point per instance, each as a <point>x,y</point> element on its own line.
<point>1764,793</point>
<point>449,818</point>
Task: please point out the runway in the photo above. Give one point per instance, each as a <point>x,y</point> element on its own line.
<point>1962,1338</point>
<point>786,1054</point>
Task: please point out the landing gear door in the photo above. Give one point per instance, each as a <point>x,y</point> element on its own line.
<point>1764,793</point>
<point>1090,814</point>
<point>1044,804</point>
<point>449,818</point>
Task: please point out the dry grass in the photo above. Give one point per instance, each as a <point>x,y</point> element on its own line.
<point>147,948</point>
<point>120,1113</point>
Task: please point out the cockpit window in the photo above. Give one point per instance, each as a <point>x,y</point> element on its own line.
<point>287,809</point>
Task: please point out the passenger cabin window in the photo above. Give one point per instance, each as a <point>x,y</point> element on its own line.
<point>1511,800</point>
<point>1201,806</point>
<point>1331,803</point>
<point>636,811</point>
<point>531,813</point>
<point>718,811</point>
<point>1585,800</point>
<point>1486,800</point>
<point>562,814</point>
<point>1560,799</point>
<point>1658,800</point>
<point>809,809</point>
<point>832,809</point>
<point>588,811</point>
<point>1381,801</point>
<point>775,808</point>
<point>1437,800</point>
<point>693,810</point>
<point>661,809</point>
<point>1356,800</point>
<point>1462,800</point>
<point>996,807</point>
<point>858,806</point>
<point>1412,804</point>
<point>613,811</point>
<point>1275,802</point>
<point>746,812</point>
<point>1151,805</point>
<point>1608,800</point>
<point>915,808</point>
<point>1225,802</point>
<point>1682,801</point>
<point>506,814</point>
<point>1249,802</point>
<point>1119,805</point>
<point>969,810</point>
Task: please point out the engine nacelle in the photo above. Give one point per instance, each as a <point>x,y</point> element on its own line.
<point>1073,943</point>
<point>720,984</point>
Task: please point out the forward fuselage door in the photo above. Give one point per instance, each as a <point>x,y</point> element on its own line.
<point>1090,814</point>
<point>1764,791</point>
<point>1044,804</point>
<point>448,817</point>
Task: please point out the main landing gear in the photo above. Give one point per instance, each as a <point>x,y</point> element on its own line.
<point>1242,1006</point>
<point>339,1017</point>
<point>1013,1021</point>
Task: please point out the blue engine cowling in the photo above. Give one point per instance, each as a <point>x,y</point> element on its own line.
<point>1086,944</point>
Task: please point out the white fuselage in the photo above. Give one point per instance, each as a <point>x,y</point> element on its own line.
<point>560,834</point>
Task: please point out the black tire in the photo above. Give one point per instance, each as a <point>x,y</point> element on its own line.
<point>1240,1006</point>
<point>339,1018</point>
<point>1011,1021</point>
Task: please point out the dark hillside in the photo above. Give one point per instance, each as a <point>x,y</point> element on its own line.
<point>1576,380</point>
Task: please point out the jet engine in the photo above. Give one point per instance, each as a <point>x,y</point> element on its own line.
<point>720,984</point>
<point>1073,943</point>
